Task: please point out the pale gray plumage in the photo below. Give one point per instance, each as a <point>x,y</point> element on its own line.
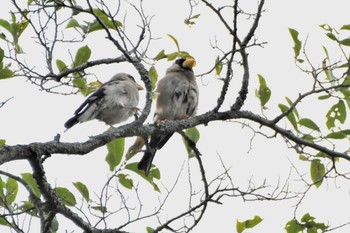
<point>177,98</point>
<point>114,102</point>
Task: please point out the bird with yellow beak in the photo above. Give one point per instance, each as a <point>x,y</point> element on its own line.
<point>177,99</point>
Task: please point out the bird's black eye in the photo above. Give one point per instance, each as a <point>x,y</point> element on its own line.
<point>131,77</point>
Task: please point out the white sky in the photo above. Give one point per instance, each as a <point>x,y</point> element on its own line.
<point>35,116</point>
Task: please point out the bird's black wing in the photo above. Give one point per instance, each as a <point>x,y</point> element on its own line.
<point>94,97</point>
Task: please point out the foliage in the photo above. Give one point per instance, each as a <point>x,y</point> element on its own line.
<point>76,24</point>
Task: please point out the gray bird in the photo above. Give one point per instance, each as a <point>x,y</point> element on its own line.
<point>177,98</point>
<point>114,102</point>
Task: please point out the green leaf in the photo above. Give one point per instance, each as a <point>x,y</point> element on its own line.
<point>308,123</point>
<point>331,36</point>
<point>160,55</point>
<point>73,23</point>
<point>115,152</point>
<point>290,116</point>
<point>308,137</point>
<point>149,229</point>
<point>345,27</point>
<point>324,97</point>
<point>336,135</point>
<point>241,226</point>
<point>2,54</point>
<point>153,75</point>
<point>2,143</point>
<point>54,225</point>
<point>83,190</point>
<point>11,191</point>
<point>294,227</point>
<point>28,178</point>
<point>4,222</point>
<point>61,65</point>
<point>125,181</point>
<point>317,171</point>
<point>297,43</point>
<point>6,25</point>
<point>6,73</point>
<point>295,111</point>
<point>175,41</point>
<point>194,135</point>
<point>189,21</point>
<point>81,84</point>
<point>153,174</point>
<point>172,56</point>
<point>264,92</point>
<point>345,42</point>
<point>105,19</point>
<point>66,196</point>
<point>307,218</point>
<point>336,112</point>
<point>102,209</point>
<point>218,66</point>
<point>82,56</point>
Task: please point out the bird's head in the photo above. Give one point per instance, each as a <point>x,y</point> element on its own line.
<point>186,63</point>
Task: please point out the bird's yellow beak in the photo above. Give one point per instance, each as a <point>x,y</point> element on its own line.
<point>139,87</point>
<point>189,63</point>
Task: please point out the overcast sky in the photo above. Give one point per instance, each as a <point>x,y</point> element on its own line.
<point>35,116</point>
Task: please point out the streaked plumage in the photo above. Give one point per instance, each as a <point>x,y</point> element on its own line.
<point>114,102</point>
<point>177,98</point>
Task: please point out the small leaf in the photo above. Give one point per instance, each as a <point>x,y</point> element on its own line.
<point>295,111</point>
<point>175,41</point>
<point>308,123</point>
<point>2,54</point>
<point>264,92</point>
<point>307,218</point>
<point>73,23</point>
<point>336,112</point>
<point>336,135</point>
<point>102,209</point>
<point>125,181</point>
<point>153,75</point>
<point>331,36</point>
<point>82,56</point>
<point>83,190</point>
<point>153,174</point>
<point>28,178</point>
<point>345,27</point>
<point>61,65</point>
<point>172,56</point>
<point>11,191</point>
<point>4,222</point>
<point>2,143</point>
<point>297,43</point>
<point>241,226</point>
<point>317,171</point>
<point>160,55</point>
<point>149,229</point>
<point>324,97</point>
<point>194,135</point>
<point>6,73</point>
<point>115,152</point>
<point>218,66</point>
<point>294,227</point>
<point>345,42</point>
<point>290,116</point>
<point>54,225</point>
<point>66,196</point>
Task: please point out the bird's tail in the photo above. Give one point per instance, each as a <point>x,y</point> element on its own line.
<point>146,161</point>
<point>157,142</point>
<point>71,122</point>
